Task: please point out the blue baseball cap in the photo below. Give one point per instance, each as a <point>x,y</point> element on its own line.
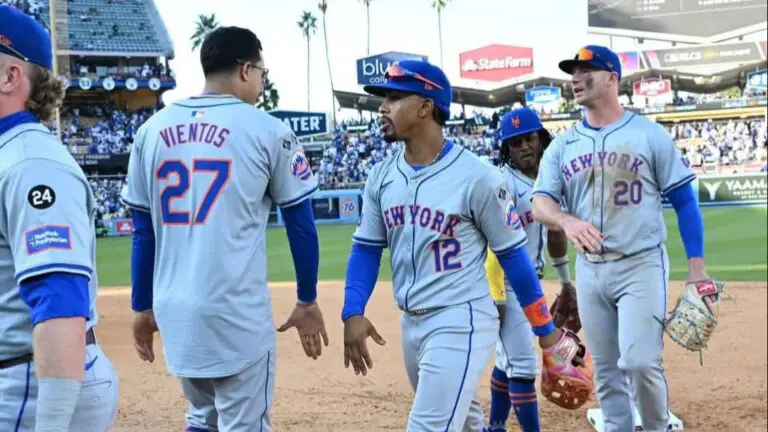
<point>24,38</point>
<point>596,56</point>
<point>518,122</point>
<point>416,77</point>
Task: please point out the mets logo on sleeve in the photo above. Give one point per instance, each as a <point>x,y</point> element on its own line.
<point>300,166</point>
<point>47,237</point>
<point>510,215</point>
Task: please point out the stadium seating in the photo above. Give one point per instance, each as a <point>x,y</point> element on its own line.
<point>124,26</point>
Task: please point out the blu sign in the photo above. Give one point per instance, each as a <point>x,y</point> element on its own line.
<point>302,123</point>
<point>758,80</point>
<point>542,95</point>
<point>370,70</point>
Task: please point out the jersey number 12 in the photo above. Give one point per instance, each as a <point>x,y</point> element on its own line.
<point>445,252</point>
<point>221,170</point>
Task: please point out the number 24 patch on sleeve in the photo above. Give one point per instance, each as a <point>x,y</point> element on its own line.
<point>48,237</point>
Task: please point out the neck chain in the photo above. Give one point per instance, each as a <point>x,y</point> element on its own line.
<point>437,156</point>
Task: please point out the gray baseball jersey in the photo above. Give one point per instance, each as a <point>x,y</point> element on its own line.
<point>615,178</point>
<point>208,169</point>
<point>521,186</point>
<point>46,226</point>
<point>438,222</point>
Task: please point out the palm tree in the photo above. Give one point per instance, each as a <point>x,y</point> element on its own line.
<point>203,26</point>
<point>323,6</point>
<point>308,26</point>
<point>439,5</point>
<point>270,98</point>
<point>367,4</point>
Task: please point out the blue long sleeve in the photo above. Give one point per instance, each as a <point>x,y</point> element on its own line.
<point>524,281</point>
<point>689,220</point>
<point>142,261</point>
<point>305,248</point>
<point>362,272</point>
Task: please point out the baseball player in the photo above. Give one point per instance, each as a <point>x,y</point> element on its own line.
<point>523,141</point>
<point>53,375</point>
<point>202,177</point>
<point>612,170</point>
<point>437,207</point>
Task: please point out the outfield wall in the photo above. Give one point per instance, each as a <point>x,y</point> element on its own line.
<point>343,205</point>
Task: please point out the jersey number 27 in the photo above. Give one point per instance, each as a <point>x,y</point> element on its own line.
<point>221,170</point>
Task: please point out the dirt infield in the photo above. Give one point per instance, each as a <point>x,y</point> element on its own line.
<point>727,394</point>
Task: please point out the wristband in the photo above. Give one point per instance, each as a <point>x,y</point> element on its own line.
<point>561,265</point>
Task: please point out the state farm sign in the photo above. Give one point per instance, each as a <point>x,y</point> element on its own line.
<point>496,63</point>
<point>654,87</point>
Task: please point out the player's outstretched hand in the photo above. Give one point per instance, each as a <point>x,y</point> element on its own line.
<point>144,328</point>
<point>357,329</point>
<point>308,320</point>
<point>584,236</point>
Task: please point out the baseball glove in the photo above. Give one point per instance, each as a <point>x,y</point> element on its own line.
<point>565,309</point>
<point>694,318</point>
<point>562,382</point>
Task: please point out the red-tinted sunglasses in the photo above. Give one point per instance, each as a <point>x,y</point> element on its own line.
<point>397,71</point>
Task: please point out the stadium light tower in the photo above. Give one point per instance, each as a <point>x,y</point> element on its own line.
<point>52,18</point>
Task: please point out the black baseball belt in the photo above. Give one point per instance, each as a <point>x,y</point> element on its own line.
<point>90,339</point>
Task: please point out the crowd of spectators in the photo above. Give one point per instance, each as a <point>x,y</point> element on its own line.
<point>101,129</point>
<point>350,156</point>
<point>726,143</point>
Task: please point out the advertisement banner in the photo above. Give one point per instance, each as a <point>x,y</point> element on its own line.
<point>705,55</point>
<point>734,188</point>
<point>370,70</point>
<point>758,80</point>
<point>542,95</point>
<point>630,62</point>
<point>496,63</point>
<point>697,18</point>
<point>652,87</point>
<point>123,227</point>
<point>303,123</point>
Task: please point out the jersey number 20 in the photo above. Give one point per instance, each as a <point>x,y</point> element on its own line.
<point>445,252</point>
<point>221,170</point>
<point>627,192</point>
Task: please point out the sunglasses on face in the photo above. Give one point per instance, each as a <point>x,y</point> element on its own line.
<point>396,71</point>
<point>587,54</point>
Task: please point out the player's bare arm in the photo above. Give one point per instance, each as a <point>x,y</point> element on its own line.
<point>59,346</point>
<point>584,236</point>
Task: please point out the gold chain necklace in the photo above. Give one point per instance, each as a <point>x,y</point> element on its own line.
<point>437,156</point>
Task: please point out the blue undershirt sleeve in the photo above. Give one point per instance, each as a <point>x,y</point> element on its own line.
<point>524,281</point>
<point>56,295</point>
<point>302,237</point>
<point>362,272</point>
<point>689,219</point>
<point>142,261</point>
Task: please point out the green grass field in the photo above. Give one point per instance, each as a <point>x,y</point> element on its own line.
<point>735,250</point>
